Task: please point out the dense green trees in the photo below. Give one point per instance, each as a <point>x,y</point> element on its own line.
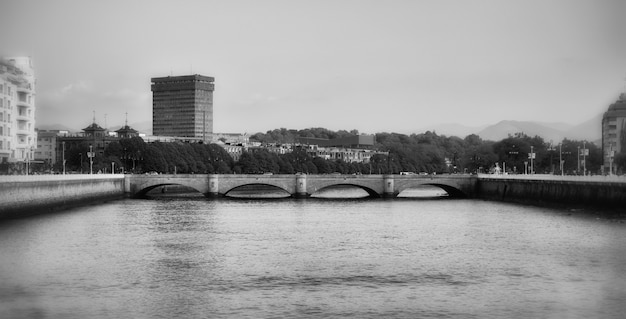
<point>426,152</point>
<point>429,152</point>
<point>134,155</point>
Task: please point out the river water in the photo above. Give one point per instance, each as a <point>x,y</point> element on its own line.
<point>246,258</point>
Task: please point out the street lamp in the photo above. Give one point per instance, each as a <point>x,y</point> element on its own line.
<point>63,143</point>
<point>584,152</point>
<point>90,155</point>
<point>531,156</point>
<point>561,158</point>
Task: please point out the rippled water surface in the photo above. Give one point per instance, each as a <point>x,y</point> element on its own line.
<point>195,258</point>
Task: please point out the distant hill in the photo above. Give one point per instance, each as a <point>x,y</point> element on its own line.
<point>590,130</point>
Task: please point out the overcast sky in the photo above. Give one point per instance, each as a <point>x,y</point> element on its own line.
<point>374,66</point>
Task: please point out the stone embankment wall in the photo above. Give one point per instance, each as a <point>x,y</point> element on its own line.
<point>597,192</point>
<point>28,195</point>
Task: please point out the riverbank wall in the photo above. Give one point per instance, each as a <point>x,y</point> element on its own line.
<point>582,192</point>
<point>22,196</point>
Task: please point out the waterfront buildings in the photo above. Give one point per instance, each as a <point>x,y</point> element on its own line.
<point>351,149</point>
<point>614,132</point>
<point>46,150</point>
<point>17,110</point>
<point>182,106</point>
<point>355,141</point>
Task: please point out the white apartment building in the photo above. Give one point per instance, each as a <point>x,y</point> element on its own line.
<point>17,110</point>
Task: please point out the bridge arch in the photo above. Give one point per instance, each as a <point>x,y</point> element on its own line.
<point>370,192</point>
<point>226,192</point>
<point>142,193</point>
<point>454,191</point>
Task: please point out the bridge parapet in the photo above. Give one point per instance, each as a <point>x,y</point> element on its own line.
<point>301,185</point>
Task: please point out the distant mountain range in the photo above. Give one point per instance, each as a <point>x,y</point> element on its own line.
<point>590,130</point>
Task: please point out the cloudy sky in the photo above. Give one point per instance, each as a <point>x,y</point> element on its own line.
<point>374,66</point>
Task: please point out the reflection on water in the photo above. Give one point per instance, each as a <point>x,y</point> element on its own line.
<point>425,191</point>
<point>338,191</point>
<point>196,258</point>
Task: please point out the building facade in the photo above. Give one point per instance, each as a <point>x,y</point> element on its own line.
<point>17,110</point>
<point>182,106</point>
<point>614,132</point>
<point>46,150</point>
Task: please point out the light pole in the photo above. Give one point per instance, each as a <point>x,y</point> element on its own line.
<point>63,143</point>
<point>532,157</point>
<point>561,158</point>
<point>90,155</point>
<point>584,159</point>
<point>578,167</point>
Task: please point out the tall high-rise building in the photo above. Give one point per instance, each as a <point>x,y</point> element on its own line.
<point>18,138</point>
<point>182,106</point>
<point>614,132</point>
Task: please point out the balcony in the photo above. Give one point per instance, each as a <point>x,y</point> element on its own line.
<point>23,103</point>
<point>23,117</point>
<point>23,131</point>
<point>25,89</point>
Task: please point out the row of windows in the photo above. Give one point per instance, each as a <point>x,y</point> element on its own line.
<point>3,143</point>
<point>3,130</point>
<point>2,117</point>
<point>6,89</point>
<point>5,104</point>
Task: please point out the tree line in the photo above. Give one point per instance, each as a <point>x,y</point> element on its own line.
<point>426,152</point>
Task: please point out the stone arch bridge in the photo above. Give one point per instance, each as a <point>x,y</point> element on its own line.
<point>301,185</point>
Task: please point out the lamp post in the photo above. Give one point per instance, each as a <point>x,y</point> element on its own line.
<point>90,155</point>
<point>63,143</point>
<point>584,158</point>
<point>531,155</point>
<point>578,167</point>
<point>561,158</point>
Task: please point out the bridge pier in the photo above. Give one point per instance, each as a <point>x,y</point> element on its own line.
<point>300,187</point>
<point>388,187</point>
<point>214,186</point>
